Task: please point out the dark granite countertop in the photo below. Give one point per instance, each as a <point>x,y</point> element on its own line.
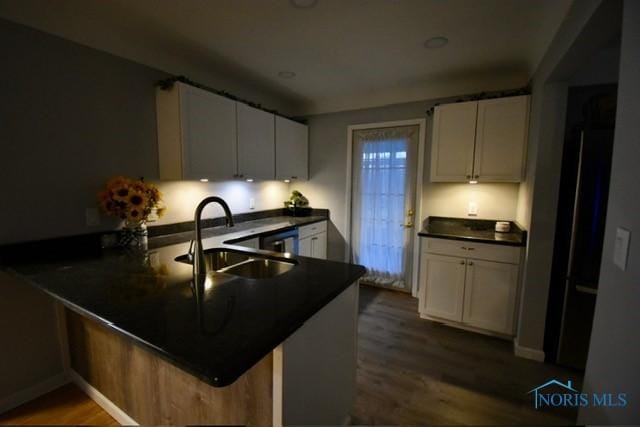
<point>216,331</point>
<point>477,230</point>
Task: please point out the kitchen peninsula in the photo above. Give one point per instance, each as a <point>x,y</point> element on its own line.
<point>236,350</point>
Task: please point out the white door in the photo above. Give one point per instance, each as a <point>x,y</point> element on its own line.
<point>442,286</point>
<point>501,139</point>
<point>208,134</point>
<point>292,150</point>
<point>383,203</point>
<point>453,137</point>
<point>490,295</point>
<point>256,143</point>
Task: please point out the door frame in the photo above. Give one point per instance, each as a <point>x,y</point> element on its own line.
<point>421,123</point>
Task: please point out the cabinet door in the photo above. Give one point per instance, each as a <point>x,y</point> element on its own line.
<point>319,246</point>
<point>292,150</point>
<point>208,124</point>
<point>256,143</point>
<point>442,286</point>
<point>490,295</point>
<point>454,131</point>
<point>304,246</point>
<point>501,139</point>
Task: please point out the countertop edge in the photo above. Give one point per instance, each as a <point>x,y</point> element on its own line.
<point>471,239</point>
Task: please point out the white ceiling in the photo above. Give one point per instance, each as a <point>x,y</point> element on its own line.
<point>346,54</point>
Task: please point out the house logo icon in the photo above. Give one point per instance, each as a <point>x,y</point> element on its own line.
<point>557,398</point>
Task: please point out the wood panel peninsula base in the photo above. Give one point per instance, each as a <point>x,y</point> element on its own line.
<point>308,379</point>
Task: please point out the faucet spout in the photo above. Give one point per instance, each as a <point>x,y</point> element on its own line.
<point>199,265</point>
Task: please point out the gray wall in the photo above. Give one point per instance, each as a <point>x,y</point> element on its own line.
<point>71,117</point>
<point>590,27</point>
<point>30,348</point>
<point>614,355</point>
<point>328,172</point>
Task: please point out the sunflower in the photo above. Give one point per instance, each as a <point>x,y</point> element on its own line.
<point>138,199</point>
<point>121,193</point>
<point>134,215</point>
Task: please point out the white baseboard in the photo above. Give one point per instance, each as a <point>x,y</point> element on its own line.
<point>33,392</point>
<point>527,353</point>
<point>118,414</point>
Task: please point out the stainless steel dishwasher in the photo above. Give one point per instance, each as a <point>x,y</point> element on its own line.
<point>282,241</point>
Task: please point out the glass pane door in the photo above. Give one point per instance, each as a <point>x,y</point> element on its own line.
<point>383,197</point>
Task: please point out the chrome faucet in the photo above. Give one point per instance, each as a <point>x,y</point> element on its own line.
<point>199,265</point>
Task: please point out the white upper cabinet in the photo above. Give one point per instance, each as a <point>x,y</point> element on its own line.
<point>481,140</point>
<point>501,139</point>
<point>454,130</point>
<point>292,150</point>
<point>196,134</point>
<point>256,143</point>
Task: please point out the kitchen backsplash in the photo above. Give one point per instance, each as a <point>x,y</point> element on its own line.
<point>181,198</point>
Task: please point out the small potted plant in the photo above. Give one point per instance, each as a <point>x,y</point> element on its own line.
<point>135,202</point>
<point>297,204</point>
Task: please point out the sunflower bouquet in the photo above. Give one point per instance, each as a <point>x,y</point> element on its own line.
<point>131,200</point>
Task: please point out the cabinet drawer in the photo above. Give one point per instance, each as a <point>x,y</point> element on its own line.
<point>465,249</point>
<point>311,229</point>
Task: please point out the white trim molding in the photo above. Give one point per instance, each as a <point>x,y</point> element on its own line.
<point>118,414</point>
<point>527,352</point>
<point>33,392</point>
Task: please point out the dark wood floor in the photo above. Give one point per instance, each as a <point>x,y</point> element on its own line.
<point>417,372</point>
<point>67,405</point>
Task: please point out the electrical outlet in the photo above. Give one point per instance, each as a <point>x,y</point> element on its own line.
<point>92,217</point>
<point>621,248</point>
<point>252,203</point>
<point>473,209</point>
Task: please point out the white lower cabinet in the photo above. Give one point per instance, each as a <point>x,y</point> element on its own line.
<point>490,295</point>
<point>476,293</point>
<point>443,280</point>
<point>313,240</point>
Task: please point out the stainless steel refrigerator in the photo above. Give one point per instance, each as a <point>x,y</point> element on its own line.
<point>580,222</point>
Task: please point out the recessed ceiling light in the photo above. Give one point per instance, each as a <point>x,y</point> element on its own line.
<point>436,42</point>
<point>286,74</point>
<point>204,180</point>
<point>304,4</point>
<point>249,179</point>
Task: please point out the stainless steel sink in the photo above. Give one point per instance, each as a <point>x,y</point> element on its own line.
<point>260,268</point>
<point>216,259</point>
<point>238,263</point>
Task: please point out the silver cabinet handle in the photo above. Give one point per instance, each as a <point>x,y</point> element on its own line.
<point>461,262</point>
<point>463,248</point>
<point>468,176</point>
<point>470,263</point>
<point>476,176</point>
<point>471,249</point>
<point>314,238</point>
